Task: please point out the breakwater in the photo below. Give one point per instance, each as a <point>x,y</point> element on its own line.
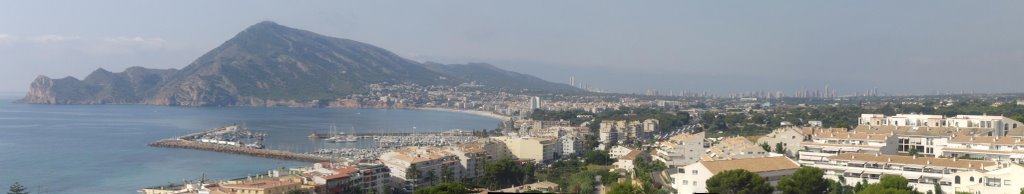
<point>265,153</point>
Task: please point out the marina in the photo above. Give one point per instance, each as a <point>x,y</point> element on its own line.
<point>236,139</point>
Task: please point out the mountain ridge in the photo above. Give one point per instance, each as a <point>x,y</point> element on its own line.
<point>269,64</point>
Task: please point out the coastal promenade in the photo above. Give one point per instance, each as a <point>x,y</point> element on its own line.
<point>266,153</point>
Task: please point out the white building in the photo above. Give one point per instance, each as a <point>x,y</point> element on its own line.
<point>429,161</point>
<point>1008,180</point>
<point>535,103</point>
<point>651,125</point>
<point>790,138</point>
<point>538,149</point>
<point>692,178</point>
<point>922,172</point>
<point>680,150</point>
<point>999,149</point>
<point>825,143</point>
<point>607,133</point>
<point>625,163</point>
<point>618,151</point>
<point>999,125</point>
<point>571,145</point>
<point>923,140</point>
<point>473,155</point>
<point>734,148</point>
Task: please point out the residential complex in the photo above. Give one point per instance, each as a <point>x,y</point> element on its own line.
<point>692,178</point>
<point>922,172</point>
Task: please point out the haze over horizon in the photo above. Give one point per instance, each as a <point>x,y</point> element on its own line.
<point>719,47</point>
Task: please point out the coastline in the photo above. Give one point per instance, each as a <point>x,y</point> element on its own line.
<point>472,112</point>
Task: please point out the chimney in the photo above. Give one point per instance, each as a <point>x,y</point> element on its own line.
<point>915,156</point>
<point>888,159</point>
<point>929,162</point>
<point>876,154</point>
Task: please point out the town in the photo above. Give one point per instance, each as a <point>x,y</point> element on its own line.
<point>816,143</point>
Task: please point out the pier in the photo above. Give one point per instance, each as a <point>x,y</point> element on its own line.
<point>266,153</point>
<point>235,139</point>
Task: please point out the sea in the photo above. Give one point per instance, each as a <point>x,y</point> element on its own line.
<point>102,148</point>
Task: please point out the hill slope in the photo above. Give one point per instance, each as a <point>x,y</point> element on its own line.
<point>268,63</point>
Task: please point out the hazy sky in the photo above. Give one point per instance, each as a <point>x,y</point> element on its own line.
<point>627,46</point>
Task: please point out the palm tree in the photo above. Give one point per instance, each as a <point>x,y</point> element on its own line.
<point>446,174</point>
<point>430,177</point>
<point>412,174</point>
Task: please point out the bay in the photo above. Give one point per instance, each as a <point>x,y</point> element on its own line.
<point>102,148</point>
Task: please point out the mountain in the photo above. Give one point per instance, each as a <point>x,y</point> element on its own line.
<point>100,87</point>
<point>271,64</point>
<point>489,75</point>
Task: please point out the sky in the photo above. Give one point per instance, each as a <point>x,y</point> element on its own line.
<point>722,47</point>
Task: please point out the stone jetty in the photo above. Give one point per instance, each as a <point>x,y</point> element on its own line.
<point>265,153</point>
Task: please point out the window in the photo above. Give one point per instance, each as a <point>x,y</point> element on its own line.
<point>694,172</point>
<point>956,180</point>
<point>685,182</point>
<point>972,179</point>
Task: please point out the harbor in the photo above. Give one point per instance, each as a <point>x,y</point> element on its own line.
<point>236,139</point>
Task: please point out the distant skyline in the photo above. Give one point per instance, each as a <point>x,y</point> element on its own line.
<point>905,47</point>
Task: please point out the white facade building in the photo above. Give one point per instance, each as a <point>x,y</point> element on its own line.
<point>1000,125</point>
<point>734,148</point>
<point>538,149</point>
<point>1008,180</point>
<point>680,150</point>
<point>825,143</point>
<point>427,160</point>
<point>618,151</point>
<point>923,140</point>
<point>692,178</point>
<point>921,172</point>
<point>999,149</point>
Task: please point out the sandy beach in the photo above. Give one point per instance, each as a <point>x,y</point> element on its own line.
<point>474,112</point>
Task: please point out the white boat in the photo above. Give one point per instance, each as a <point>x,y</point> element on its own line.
<point>342,137</point>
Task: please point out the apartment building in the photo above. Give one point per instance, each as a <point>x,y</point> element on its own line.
<point>261,186</point>
<point>619,151</point>
<point>572,145</point>
<point>625,163</point>
<point>692,178</point>
<point>922,172</point>
<point>473,155</point>
<point>680,150</point>
<point>607,133</point>
<point>1008,180</point>
<point>999,149</point>
<point>651,125</point>
<point>923,140</point>
<point>731,148</point>
<point>825,143</point>
<point>790,138</point>
<point>999,125</point>
<point>429,162</point>
<point>326,177</point>
<point>538,149</point>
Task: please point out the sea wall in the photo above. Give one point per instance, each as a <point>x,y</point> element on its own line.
<point>264,153</point>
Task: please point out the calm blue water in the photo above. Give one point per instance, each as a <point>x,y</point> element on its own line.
<point>102,148</point>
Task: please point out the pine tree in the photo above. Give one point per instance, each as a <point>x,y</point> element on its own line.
<point>16,188</point>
